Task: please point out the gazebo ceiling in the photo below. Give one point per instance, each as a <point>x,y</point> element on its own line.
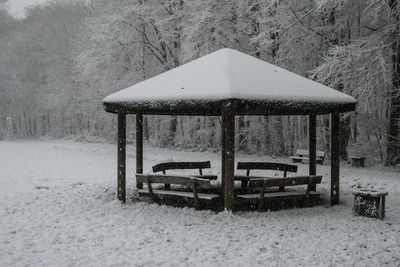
<point>229,78</point>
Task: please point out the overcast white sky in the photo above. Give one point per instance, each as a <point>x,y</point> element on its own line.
<point>16,7</point>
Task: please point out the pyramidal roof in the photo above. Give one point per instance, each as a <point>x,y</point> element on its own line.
<point>207,84</point>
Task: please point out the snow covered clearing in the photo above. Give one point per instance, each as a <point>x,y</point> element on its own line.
<point>58,207</point>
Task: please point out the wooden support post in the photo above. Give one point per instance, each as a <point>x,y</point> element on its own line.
<point>335,160</point>
<point>312,146</point>
<point>139,147</point>
<point>223,158</point>
<point>228,122</point>
<point>121,180</point>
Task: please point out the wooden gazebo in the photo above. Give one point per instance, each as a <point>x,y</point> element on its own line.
<point>228,83</point>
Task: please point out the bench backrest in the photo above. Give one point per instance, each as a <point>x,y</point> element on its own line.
<point>288,181</point>
<point>182,165</point>
<point>266,166</point>
<point>173,179</point>
<point>302,152</point>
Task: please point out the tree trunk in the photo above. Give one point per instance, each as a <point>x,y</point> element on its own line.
<point>172,130</point>
<point>393,144</point>
<point>267,135</point>
<point>242,145</point>
<point>344,137</point>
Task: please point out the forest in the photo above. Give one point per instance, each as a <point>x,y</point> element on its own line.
<point>60,61</point>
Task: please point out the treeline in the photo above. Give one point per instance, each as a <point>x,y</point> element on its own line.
<point>59,62</point>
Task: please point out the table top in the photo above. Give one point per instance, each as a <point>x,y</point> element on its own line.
<point>371,193</point>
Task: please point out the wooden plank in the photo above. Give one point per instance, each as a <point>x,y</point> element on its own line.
<point>319,160</point>
<point>299,158</point>
<point>312,146</point>
<point>288,181</point>
<point>354,157</point>
<point>181,165</point>
<point>139,147</point>
<point>178,194</point>
<point>246,177</point>
<point>335,161</point>
<point>206,176</point>
<point>121,175</point>
<point>266,166</point>
<point>228,118</point>
<point>277,195</point>
<point>173,179</point>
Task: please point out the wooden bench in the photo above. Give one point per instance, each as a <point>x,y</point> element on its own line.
<point>248,166</point>
<point>185,165</point>
<point>264,183</point>
<point>194,183</point>
<point>302,154</point>
<point>357,161</point>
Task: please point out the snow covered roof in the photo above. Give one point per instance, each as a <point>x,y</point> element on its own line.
<point>228,77</point>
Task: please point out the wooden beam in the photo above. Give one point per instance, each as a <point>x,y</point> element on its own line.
<point>223,157</point>
<point>139,147</point>
<point>335,160</point>
<point>228,122</point>
<point>312,146</point>
<point>121,180</point>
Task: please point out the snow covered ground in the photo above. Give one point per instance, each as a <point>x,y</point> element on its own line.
<point>58,207</point>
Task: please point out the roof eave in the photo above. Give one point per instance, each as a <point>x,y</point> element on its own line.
<point>240,106</point>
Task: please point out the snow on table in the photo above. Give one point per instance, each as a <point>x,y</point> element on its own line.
<point>58,207</point>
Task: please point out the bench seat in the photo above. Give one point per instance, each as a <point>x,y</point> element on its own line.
<point>169,193</point>
<point>319,160</point>
<point>193,198</point>
<point>302,154</point>
<point>263,185</point>
<point>299,158</point>
<point>278,195</point>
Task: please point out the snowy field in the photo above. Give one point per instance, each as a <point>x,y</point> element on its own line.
<point>58,207</point>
